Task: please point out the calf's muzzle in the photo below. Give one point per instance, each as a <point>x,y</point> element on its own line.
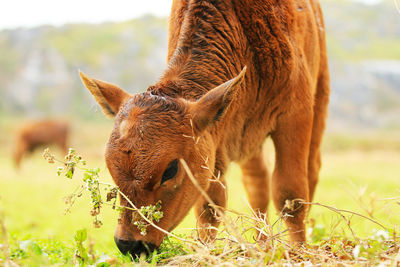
<point>135,248</point>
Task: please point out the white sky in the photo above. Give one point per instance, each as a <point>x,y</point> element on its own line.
<point>30,13</point>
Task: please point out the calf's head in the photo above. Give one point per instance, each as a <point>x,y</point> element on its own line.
<point>150,135</point>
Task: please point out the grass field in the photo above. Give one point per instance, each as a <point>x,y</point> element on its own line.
<point>359,174</point>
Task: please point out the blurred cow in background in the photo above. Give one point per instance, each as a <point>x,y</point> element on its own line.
<point>39,133</point>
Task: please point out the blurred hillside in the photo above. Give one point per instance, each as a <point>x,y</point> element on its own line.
<point>38,67</point>
<point>364,50</point>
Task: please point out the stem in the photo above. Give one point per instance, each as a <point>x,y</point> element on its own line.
<point>345,211</point>
<point>153,224</point>
<point>209,200</point>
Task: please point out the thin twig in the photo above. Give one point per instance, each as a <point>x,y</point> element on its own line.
<point>153,224</point>
<point>4,237</point>
<point>207,197</point>
<point>345,211</point>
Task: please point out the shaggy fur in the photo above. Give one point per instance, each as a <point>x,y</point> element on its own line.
<point>194,114</point>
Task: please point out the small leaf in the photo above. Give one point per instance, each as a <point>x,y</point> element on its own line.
<point>31,246</point>
<point>70,173</point>
<point>81,235</point>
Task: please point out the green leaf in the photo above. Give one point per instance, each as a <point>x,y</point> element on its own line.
<point>80,235</point>
<point>70,173</point>
<point>318,232</point>
<point>31,246</point>
<point>35,248</point>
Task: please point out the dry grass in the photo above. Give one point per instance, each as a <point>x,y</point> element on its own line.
<point>244,239</point>
<point>270,247</point>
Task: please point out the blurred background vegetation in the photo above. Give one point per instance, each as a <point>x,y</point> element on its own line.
<point>38,66</point>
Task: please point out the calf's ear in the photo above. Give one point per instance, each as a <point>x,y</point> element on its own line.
<point>109,96</point>
<point>213,105</point>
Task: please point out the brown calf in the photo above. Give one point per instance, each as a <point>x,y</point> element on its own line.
<point>207,93</point>
<point>39,133</point>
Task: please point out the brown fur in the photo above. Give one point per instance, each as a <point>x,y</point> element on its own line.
<point>39,133</point>
<point>284,95</point>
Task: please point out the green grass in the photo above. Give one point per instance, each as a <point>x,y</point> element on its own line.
<point>38,232</point>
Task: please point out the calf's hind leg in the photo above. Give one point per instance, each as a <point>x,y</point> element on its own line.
<point>320,112</point>
<point>255,181</point>
<point>290,182</point>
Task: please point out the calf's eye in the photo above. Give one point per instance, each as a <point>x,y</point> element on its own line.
<point>170,172</point>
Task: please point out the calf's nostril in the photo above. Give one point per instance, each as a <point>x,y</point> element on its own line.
<point>135,248</point>
<point>123,245</point>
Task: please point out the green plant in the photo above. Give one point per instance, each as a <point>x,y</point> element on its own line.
<point>152,212</point>
<point>231,245</point>
<point>142,217</point>
<point>81,253</point>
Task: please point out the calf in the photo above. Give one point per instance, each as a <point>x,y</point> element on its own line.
<point>38,133</point>
<point>210,110</point>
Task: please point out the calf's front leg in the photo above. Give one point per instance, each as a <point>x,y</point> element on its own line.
<point>207,219</point>
<point>289,182</point>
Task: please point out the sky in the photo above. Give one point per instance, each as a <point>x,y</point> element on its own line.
<point>31,13</point>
